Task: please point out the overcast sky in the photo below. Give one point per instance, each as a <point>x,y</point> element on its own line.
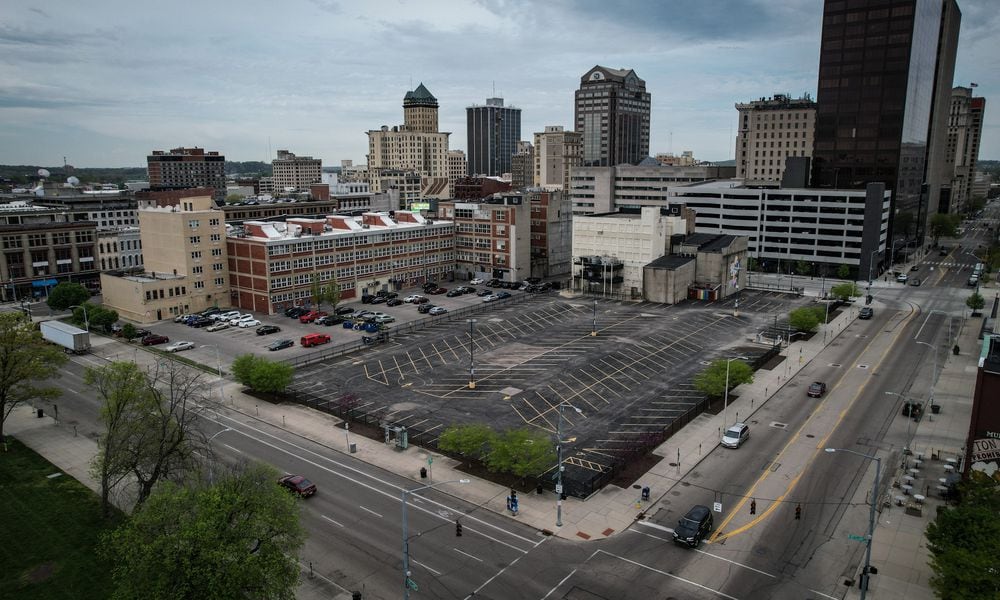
<point>104,83</point>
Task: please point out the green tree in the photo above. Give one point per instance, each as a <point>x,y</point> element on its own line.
<point>522,452</point>
<point>262,375</point>
<point>964,542</point>
<point>804,319</point>
<point>233,198</point>
<point>67,294</point>
<point>25,361</point>
<point>845,291</point>
<point>843,271</point>
<point>238,538</point>
<point>99,317</point>
<point>712,380</point>
<point>129,332</point>
<point>121,387</point>
<point>468,440</point>
<point>944,225</point>
<point>803,267</point>
<point>976,302</point>
<point>324,293</point>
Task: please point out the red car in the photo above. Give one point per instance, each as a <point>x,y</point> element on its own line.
<point>153,339</point>
<point>298,484</point>
<point>311,316</point>
<point>439,290</point>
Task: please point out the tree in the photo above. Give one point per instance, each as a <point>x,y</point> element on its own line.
<point>262,375</point>
<point>964,542</point>
<point>804,318</point>
<point>712,380</point>
<point>845,291</point>
<point>468,440</point>
<point>237,538</point>
<point>25,360</point>
<point>121,387</point>
<point>129,332</point>
<point>803,267</point>
<point>324,293</point>
<point>976,302</point>
<point>98,316</point>
<point>522,452</point>
<point>944,225</point>
<point>67,294</point>
<point>843,271</point>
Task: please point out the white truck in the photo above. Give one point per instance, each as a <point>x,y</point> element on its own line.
<point>71,338</point>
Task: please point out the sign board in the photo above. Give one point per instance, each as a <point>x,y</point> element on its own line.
<point>420,206</point>
<point>856,538</point>
<point>558,488</point>
<point>717,507</point>
<point>44,283</point>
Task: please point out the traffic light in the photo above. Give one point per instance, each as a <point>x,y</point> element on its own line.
<point>753,507</point>
<point>798,512</point>
<point>458,528</point>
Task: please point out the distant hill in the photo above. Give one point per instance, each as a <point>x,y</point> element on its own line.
<point>25,174</point>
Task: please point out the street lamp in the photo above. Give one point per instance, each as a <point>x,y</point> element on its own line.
<point>218,366</point>
<point>593,332</point>
<point>86,321</point>
<point>407,582</point>
<point>934,372</point>
<point>871,516</point>
<point>559,445</point>
<point>725,403</point>
<point>871,260</point>
<point>472,354</point>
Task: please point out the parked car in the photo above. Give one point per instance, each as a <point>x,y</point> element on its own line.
<point>210,312</point>
<point>181,318</point>
<point>393,302</point>
<point>693,526</point>
<point>267,329</point>
<point>439,290</point>
<point>503,295</point>
<point>902,277</point>
<point>476,281</point>
<point>736,435</point>
<point>421,300</point>
<point>438,310</point>
<point>330,320</point>
<point>298,484</point>
<point>314,339</point>
<point>141,333</point>
<point>484,293</point>
<point>311,316</point>
<point>412,298</point>
<point>491,298</point>
<point>429,286</point>
<point>201,322</point>
<point>973,281</point>
<point>384,319</point>
<point>295,312</point>
<point>226,316</point>
<point>425,308</point>
<point>816,389</point>
<point>153,339</point>
<point>455,292</point>
<point>217,326</point>
<point>377,299</point>
<point>235,322</point>
<point>178,346</point>
<point>344,310</point>
<point>280,345</point>
<point>866,313</point>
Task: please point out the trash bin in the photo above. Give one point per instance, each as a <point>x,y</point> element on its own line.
<point>539,489</point>
<point>935,408</point>
<point>423,472</point>
<point>40,413</point>
<point>353,448</point>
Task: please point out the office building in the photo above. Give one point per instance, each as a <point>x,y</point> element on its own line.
<point>415,146</point>
<point>42,249</point>
<point>183,168</point>
<point>551,232</point>
<point>272,264</point>
<point>492,131</point>
<point>290,173</point>
<point>185,264</point>
<point>608,189</point>
<point>458,167</point>
<point>119,249</point>
<point>522,166</point>
<point>883,64</point>
<point>771,130</point>
<point>491,237</point>
<point>612,114</point>
<point>557,152</point>
<point>686,158</point>
<point>965,129</point>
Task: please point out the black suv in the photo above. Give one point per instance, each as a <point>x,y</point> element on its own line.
<point>268,329</point>
<point>296,311</point>
<point>694,526</point>
<point>866,313</point>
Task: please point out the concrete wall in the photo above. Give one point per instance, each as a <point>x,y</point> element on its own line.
<point>667,286</point>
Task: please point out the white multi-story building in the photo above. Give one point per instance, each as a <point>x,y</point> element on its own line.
<point>770,131</point>
<point>606,189</point>
<point>290,173</point>
<point>557,152</point>
<point>119,249</point>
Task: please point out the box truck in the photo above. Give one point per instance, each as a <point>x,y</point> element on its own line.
<point>69,337</point>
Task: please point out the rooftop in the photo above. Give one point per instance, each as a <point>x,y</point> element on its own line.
<point>331,226</point>
<point>670,261</point>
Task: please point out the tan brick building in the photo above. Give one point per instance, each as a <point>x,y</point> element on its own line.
<point>771,130</point>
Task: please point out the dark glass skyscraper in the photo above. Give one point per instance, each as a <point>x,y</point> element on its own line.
<point>612,113</point>
<point>880,62</point>
<point>493,133</point>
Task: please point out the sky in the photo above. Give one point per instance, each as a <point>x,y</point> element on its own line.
<point>104,83</point>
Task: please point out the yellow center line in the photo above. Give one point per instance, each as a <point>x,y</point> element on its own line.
<point>718,536</point>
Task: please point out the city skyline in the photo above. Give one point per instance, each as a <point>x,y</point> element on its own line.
<point>104,86</point>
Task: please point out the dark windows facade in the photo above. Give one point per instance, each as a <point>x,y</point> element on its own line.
<point>493,132</point>
<point>612,114</point>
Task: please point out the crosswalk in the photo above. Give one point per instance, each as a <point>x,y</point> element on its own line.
<point>948,265</point>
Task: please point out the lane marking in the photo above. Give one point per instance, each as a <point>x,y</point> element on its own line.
<point>824,595</point>
<point>237,450</point>
<point>370,510</point>
<point>671,575</point>
<point>331,520</point>
<point>467,554</point>
<point>655,526</point>
<point>416,562</point>
<point>556,586</point>
<point>738,564</point>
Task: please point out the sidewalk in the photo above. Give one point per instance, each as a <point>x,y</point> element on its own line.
<point>899,550</point>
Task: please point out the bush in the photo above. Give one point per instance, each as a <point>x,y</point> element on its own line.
<point>467,440</point>
<point>712,380</point>
<point>805,319</point>
<point>262,375</point>
<point>521,452</point>
<point>845,291</point>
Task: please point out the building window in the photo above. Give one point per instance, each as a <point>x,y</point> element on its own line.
<point>216,251</point>
<point>36,240</point>
<point>194,223</point>
<point>220,281</point>
<point>199,285</point>
<point>196,255</point>
<point>195,239</point>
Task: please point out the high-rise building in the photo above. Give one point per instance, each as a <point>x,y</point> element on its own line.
<point>965,128</point>
<point>882,66</point>
<point>458,168</point>
<point>182,168</point>
<point>415,146</point>
<point>612,113</point>
<point>522,166</point>
<point>493,132</point>
<point>556,153</point>
<point>294,173</point>
<point>771,130</point>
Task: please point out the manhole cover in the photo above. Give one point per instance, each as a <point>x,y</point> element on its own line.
<point>672,464</point>
<point>675,493</point>
<point>862,366</point>
<point>779,425</point>
<point>834,365</point>
<point>809,435</point>
<point>636,487</point>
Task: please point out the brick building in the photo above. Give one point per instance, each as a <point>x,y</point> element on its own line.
<point>492,237</point>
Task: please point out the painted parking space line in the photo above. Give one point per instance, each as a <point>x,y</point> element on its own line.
<point>420,564</point>
<point>331,520</point>
<point>476,558</point>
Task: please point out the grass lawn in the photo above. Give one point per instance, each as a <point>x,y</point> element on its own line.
<point>49,530</point>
